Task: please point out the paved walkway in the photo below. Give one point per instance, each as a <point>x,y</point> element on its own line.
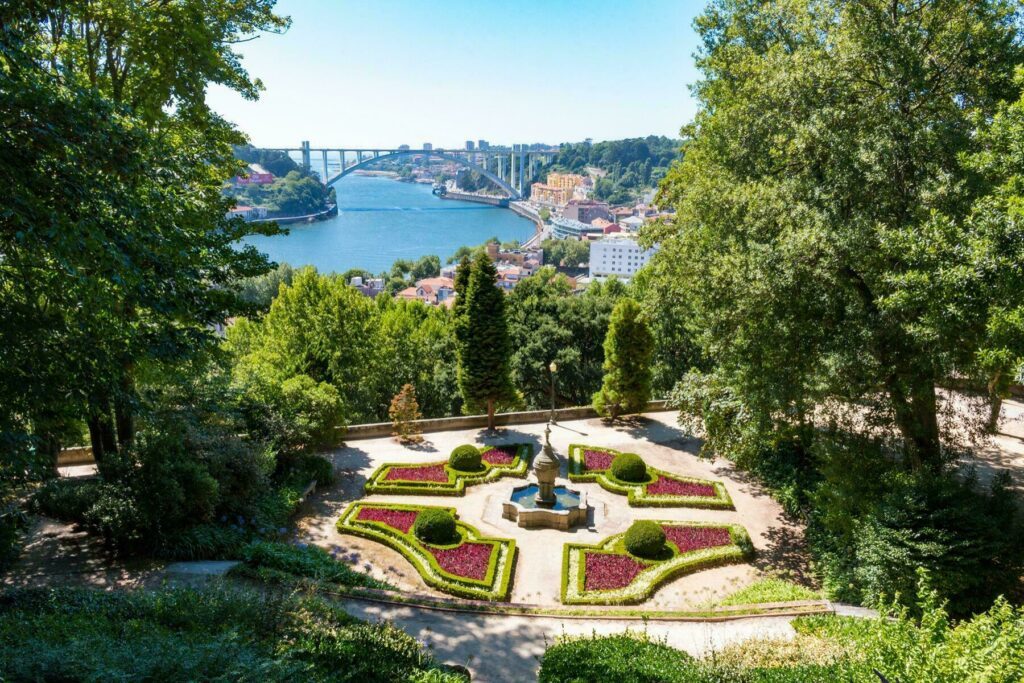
<point>507,649</point>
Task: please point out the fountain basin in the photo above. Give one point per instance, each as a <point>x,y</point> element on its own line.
<point>569,508</point>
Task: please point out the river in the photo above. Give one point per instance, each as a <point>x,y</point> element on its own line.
<point>381,220</point>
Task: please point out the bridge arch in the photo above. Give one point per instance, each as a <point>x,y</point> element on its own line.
<point>512,193</point>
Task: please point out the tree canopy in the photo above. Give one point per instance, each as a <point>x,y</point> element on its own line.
<point>833,236</point>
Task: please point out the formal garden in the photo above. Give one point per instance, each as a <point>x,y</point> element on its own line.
<point>788,449</point>
<point>440,529</point>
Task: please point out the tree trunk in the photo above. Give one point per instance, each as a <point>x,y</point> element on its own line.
<point>916,414</point>
<point>101,433</point>
<point>96,439</point>
<point>995,404</point>
<point>125,420</point>
<point>490,415</point>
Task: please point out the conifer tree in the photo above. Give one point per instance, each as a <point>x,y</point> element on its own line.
<point>484,349</point>
<point>628,348</point>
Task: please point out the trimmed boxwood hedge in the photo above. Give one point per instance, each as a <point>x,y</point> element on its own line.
<point>465,458</point>
<point>436,526</point>
<point>629,467</point>
<point>496,582</point>
<point>645,538</point>
<point>637,492</point>
<point>657,572</point>
<point>457,480</point>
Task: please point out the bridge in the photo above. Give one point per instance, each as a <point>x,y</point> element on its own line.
<point>510,168</point>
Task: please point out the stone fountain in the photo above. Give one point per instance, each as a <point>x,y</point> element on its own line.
<point>545,505</point>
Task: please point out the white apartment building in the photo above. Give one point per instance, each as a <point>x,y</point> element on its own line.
<point>618,255</point>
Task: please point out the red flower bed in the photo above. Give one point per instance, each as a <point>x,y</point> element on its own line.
<point>663,486</point>
<point>468,560</point>
<point>597,460</point>
<point>607,572</point>
<point>688,538</point>
<point>396,519</point>
<point>499,455</point>
<point>418,473</point>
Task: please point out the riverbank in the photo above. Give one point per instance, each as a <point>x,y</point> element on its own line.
<point>329,212</point>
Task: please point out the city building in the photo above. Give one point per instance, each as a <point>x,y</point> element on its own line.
<point>427,146</point>
<point>557,189</point>
<point>249,213</point>
<point>469,145</point>
<point>483,145</point>
<point>618,255</point>
<point>255,175</point>
<point>631,224</point>
<point>527,260</point>
<point>567,228</point>
<point>586,210</point>
<point>370,287</point>
<point>433,291</point>
<point>621,212</point>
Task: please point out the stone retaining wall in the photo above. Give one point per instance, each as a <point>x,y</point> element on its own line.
<point>445,424</point>
<point>82,455</point>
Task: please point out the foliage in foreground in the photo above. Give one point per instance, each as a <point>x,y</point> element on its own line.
<point>213,634</point>
<point>988,648</point>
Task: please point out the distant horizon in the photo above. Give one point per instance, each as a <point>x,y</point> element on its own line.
<point>401,72</point>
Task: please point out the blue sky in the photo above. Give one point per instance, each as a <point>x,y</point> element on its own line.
<point>390,72</point>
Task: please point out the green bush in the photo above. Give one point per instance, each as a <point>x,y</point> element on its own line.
<point>629,467</point>
<point>435,526</point>
<point>645,538</point>
<point>66,499</point>
<point>214,634</point>
<point>309,562</point>
<point>770,590</point>
<point>627,658</point>
<point>465,458</point>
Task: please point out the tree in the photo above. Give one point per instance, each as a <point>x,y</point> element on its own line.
<point>404,412</point>
<point>827,230</point>
<point>426,266</point>
<point>548,322</point>
<point>483,342</point>
<point>627,363</point>
<point>111,96</point>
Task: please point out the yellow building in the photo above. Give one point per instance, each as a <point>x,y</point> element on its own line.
<point>558,189</point>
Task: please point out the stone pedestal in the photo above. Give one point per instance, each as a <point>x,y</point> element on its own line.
<point>545,468</point>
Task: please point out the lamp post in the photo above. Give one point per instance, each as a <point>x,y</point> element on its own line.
<point>553,368</point>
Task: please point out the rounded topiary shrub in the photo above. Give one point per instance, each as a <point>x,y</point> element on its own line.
<point>466,458</point>
<point>435,526</point>
<point>645,539</point>
<point>629,467</point>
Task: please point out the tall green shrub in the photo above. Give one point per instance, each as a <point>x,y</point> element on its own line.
<point>627,363</point>
<point>484,349</point>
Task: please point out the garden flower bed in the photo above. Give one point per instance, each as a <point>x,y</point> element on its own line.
<point>439,479</point>
<point>662,489</point>
<point>607,574</point>
<point>475,566</point>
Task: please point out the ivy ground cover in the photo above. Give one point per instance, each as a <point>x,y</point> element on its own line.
<point>475,566</point>
<point>607,574</point>
<point>662,489</point>
<point>439,479</point>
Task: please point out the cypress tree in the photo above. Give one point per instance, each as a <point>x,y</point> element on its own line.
<point>628,347</point>
<point>484,348</point>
